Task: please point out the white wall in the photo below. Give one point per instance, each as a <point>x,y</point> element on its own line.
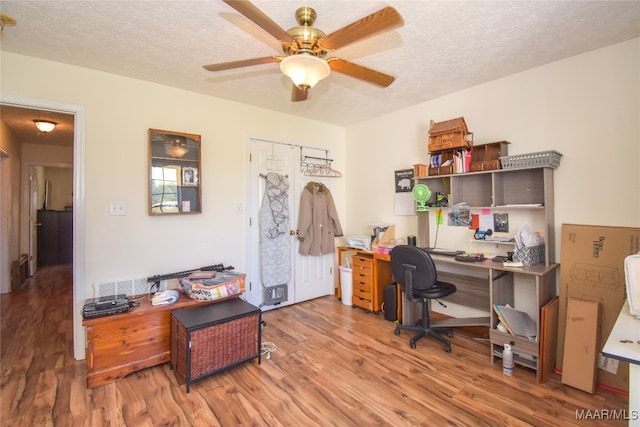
<point>586,107</point>
<point>119,111</point>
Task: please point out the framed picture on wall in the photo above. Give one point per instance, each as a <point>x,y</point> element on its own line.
<point>189,176</point>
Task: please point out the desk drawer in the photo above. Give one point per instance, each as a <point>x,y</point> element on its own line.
<point>362,261</point>
<point>362,275</point>
<point>362,272</point>
<point>362,303</point>
<point>361,293</point>
<point>363,282</point>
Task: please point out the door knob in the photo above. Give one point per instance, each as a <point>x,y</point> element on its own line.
<point>292,233</point>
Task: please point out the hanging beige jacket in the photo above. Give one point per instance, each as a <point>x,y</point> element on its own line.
<point>318,222</point>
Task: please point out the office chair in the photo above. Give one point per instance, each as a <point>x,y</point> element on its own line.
<point>415,271</point>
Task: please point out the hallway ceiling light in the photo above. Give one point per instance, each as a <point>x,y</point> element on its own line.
<point>45,125</point>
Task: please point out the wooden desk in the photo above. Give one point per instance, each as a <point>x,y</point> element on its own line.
<point>627,328</point>
<point>120,344</point>
<point>479,285</point>
<point>500,284</point>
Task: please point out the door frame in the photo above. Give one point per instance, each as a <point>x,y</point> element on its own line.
<point>78,204</point>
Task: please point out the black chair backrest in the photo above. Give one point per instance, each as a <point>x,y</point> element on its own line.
<point>424,275</point>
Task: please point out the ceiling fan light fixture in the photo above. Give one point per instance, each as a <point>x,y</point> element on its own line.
<point>305,70</point>
<point>45,125</point>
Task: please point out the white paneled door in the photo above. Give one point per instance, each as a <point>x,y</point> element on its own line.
<point>277,275</point>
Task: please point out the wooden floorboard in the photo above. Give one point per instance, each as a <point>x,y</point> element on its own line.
<point>334,366</point>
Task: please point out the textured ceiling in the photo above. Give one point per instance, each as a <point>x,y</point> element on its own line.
<point>444,46</point>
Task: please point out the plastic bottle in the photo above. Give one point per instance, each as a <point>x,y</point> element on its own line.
<point>507,360</point>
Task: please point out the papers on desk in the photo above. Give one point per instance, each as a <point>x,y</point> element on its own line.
<point>525,238</point>
<point>518,323</point>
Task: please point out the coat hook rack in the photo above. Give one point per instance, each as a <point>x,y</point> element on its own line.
<point>318,166</point>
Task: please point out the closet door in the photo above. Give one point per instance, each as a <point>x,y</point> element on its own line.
<point>309,276</point>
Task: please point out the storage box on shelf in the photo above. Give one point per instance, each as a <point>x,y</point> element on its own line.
<point>485,157</point>
<point>542,158</point>
<point>419,170</point>
<point>450,161</point>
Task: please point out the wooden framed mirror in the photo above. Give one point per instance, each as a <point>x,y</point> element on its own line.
<point>175,173</point>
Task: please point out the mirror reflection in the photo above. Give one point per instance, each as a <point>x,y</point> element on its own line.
<point>174,173</point>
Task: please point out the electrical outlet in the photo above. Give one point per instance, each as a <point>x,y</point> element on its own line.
<point>117,208</point>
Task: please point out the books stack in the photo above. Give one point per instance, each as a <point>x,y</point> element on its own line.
<point>517,323</point>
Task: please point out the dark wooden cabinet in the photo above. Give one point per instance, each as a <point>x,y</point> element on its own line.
<point>55,237</point>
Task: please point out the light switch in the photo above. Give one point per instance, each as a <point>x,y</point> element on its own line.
<point>117,208</point>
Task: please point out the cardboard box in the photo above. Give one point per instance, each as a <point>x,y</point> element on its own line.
<point>581,345</point>
<point>592,269</point>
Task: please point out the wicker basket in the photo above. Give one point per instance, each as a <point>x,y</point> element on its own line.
<point>542,158</point>
<point>223,345</point>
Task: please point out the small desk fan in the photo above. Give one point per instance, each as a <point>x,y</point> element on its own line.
<point>421,194</point>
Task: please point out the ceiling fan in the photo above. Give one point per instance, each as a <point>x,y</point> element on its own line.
<point>305,47</point>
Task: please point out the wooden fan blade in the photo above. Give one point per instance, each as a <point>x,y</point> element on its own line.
<point>258,17</point>
<point>359,72</point>
<point>242,63</point>
<point>297,94</point>
<point>383,20</point>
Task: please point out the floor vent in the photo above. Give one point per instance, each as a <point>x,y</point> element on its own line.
<point>130,286</point>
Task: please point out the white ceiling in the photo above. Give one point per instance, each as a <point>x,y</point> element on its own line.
<point>443,47</point>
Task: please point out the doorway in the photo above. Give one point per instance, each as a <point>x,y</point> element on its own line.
<point>51,204</point>
<point>78,242</point>
<point>300,278</point>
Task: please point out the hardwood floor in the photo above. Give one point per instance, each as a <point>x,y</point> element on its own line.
<point>334,366</point>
